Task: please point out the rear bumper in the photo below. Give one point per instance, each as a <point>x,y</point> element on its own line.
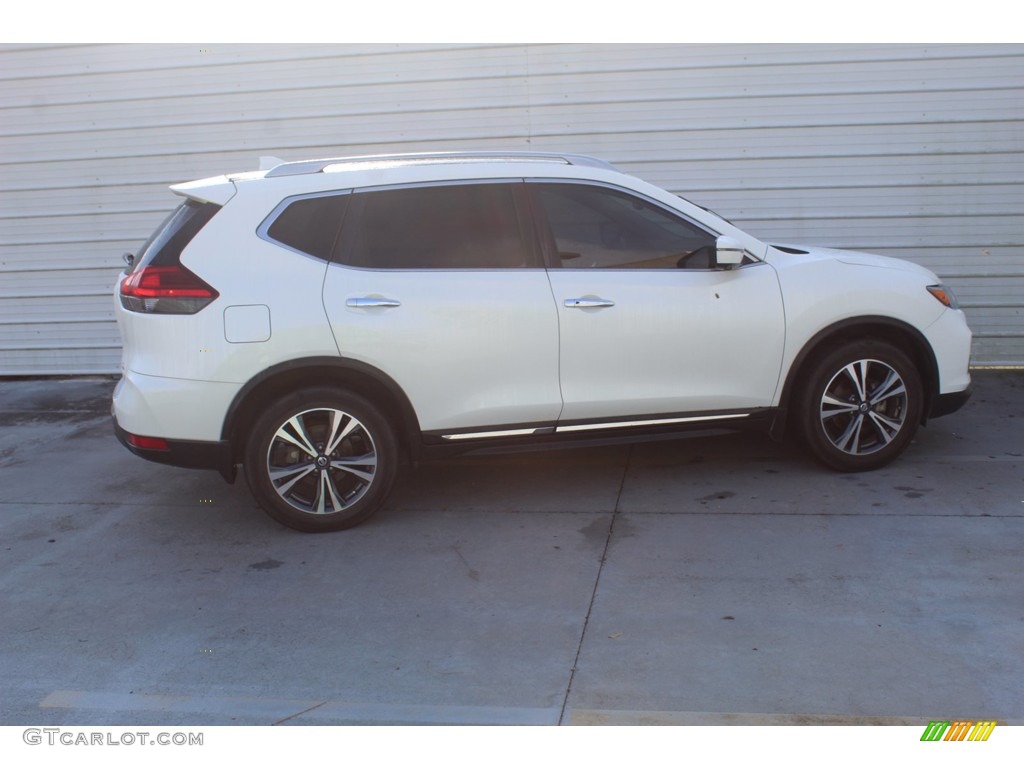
<point>185,453</point>
<point>948,403</point>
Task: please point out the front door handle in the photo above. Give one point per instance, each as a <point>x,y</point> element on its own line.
<point>368,302</point>
<point>585,302</point>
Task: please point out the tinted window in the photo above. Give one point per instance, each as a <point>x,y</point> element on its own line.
<point>165,245</point>
<point>310,224</point>
<point>463,226</point>
<point>600,228</point>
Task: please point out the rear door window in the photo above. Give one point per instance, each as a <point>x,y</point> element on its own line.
<point>448,226</point>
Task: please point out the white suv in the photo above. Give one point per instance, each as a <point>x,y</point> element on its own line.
<point>318,321</point>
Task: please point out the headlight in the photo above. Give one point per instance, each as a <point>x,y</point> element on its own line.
<point>945,295</point>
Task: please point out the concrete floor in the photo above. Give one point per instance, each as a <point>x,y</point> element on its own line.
<point>721,580</point>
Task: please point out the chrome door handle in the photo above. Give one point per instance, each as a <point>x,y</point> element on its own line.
<point>585,302</point>
<point>367,302</point>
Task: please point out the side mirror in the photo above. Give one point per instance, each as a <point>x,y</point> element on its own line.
<point>728,253</point>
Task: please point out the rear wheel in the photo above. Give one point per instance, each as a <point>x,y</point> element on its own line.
<point>321,459</point>
<point>860,406</point>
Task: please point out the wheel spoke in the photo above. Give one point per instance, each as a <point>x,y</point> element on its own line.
<point>886,428</point>
<point>336,435</point>
<point>858,377</point>
<point>849,441</point>
<point>327,491</point>
<point>349,464</point>
<point>891,387</point>
<point>297,436</point>
<point>838,407</point>
<point>298,470</point>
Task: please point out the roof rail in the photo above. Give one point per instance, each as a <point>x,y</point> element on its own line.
<point>303,167</point>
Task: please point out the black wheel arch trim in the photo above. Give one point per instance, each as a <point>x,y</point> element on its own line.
<point>845,329</point>
<point>409,426</point>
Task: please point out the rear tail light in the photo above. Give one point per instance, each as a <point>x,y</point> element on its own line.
<point>171,290</point>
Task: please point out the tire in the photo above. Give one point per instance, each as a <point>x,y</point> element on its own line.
<point>860,406</point>
<point>304,482</point>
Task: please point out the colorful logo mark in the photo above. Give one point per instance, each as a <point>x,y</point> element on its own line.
<point>958,730</point>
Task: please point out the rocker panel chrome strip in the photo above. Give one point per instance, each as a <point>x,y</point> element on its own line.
<point>648,422</point>
<point>497,433</point>
<point>586,427</point>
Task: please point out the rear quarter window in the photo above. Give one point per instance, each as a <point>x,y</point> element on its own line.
<point>309,225</point>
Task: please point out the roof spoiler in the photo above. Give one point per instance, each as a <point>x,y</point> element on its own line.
<point>216,189</point>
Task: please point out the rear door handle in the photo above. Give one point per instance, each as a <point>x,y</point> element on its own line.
<point>585,302</point>
<point>368,302</point>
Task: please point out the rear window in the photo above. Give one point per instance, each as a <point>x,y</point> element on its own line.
<point>165,245</point>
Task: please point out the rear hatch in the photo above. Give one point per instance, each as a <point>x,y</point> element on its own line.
<point>156,283</point>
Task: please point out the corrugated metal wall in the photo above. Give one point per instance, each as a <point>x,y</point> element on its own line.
<point>908,150</point>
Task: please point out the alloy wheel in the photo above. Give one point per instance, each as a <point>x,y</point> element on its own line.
<point>322,461</point>
<point>864,407</point>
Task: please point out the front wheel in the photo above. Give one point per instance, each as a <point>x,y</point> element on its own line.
<point>321,459</point>
<point>860,406</point>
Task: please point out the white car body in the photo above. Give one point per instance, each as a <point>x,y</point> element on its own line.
<point>469,358</point>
